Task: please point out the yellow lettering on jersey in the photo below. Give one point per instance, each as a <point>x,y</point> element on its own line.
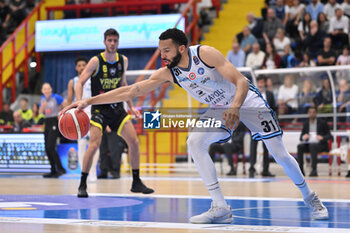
<point>109,83</point>
<point>104,69</point>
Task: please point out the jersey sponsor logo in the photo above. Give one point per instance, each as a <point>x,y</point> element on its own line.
<point>109,83</point>
<point>193,85</point>
<point>206,79</point>
<point>215,97</point>
<point>192,76</point>
<point>200,71</point>
<point>200,93</point>
<point>195,60</point>
<point>151,120</point>
<point>113,71</point>
<point>182,79</point>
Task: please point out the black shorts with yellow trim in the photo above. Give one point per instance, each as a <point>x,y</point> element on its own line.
<point>115,118</point>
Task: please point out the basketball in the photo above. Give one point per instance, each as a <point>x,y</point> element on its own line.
<point>74,124</point>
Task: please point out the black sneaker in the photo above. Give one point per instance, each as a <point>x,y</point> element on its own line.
<point>102,176</point>
<point>348,175</point>
<point>82,192</point>
<point>139,187</point>
<point>232,172</point>
<point>51,175</point>
<point>62,171</point>
<point>267,174</point>
<point>313,173</point>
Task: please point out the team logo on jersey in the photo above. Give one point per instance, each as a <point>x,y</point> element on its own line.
<point>151,120</point>
<point>113,71</point>
<point>200,71</point>
<point>195,60</point>
<point>192,76</point>
<point>104,69</point>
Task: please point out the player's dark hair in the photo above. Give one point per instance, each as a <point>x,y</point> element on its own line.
<point>311,107</point>
<point>261,77</point>
<point>178,36</point>
<point>111,32</point>
<point>25,99</point>
<point>78,59</point>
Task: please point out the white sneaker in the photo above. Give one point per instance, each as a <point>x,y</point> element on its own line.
<point>92,178</point>
<point>319,211</point>
<point>215,214</point>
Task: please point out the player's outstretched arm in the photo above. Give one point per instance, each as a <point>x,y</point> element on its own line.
<point>214,58</point>
<point>90,68</point>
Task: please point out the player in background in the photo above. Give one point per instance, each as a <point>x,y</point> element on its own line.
<point>211,79</point>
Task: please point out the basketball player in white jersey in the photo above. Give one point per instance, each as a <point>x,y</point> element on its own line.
<point>80,64</point>
<point>211,79</point>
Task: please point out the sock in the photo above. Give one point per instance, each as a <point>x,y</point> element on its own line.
<point>216,194</point>
<point>136,174</point>
<point>290,165</point>
<point>83,179</point>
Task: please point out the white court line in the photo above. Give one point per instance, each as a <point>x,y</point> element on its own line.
<point>166,225</point>
<point>208,197</point>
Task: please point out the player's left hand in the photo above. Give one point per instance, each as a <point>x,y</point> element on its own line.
<point>231,118</point>
<point>80,104</point>
<point>135,112</point>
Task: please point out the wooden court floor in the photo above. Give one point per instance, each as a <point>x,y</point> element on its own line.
<point>166,185</point>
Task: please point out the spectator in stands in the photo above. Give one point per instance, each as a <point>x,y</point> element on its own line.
<point>6,115</point>
<point>339,29</point>
<point>314,40</point>
<point>281,11</point>
<point>268,96</point>
<point>324,97</point>
<point>307,61</point>
<point>268,4</point>
<point>70,14</point>
<point>326,57</point>
<point>247,41</point>
<point>255,25</point>
<point>295,13</point>
<point>233,147</point>
<point>343,97</point>
<point>18,11</point>
<point>344,58</point>
<point>256,58</point>
<point>38,118</point>
<point>294,60</point>
<point>304,26</point>
<point>272,60</point>
<point>314,8</point>
<point>50,105</point>
<point>19,122</point>
<point>270,87</point>
<point>323,22</point>
<point>85,13</point>
<point>236,55</point>
<point>26,113</point>
<point>287,94</point>
<point>5,16</point>
<point>329,8</point>
<point>306,97</point>
<point>270,25</point>
<point>282,45</point>
<point>346,7</point>
<point>314,139</point>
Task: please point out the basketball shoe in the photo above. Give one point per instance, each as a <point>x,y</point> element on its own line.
<point>216,214</point>
<point>319,211</point>
<point>82,191</point>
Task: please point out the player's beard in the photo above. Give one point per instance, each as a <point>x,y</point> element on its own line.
<point>175,61</point>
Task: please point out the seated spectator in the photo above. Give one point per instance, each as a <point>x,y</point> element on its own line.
<point>18,11</point>
<point>19,122</point>
<point>323,22</point>
<point>307,61</point>
<point>247,41</point>
<point>281,11</point>
<point>314,8</point>
<point>38,118</point>
<point>5,17</point>
<point>343,97</point>
<point>236,55</point>
<point>233,147</point>
<point>287,94</point>
<point>255,25</point>
<point>339,29</point>
<point>330,7</point>
<point>304,26</point>
<point>256,58</point>
<point>295,13</point>
<point>6,115</point>
<point>346,7</point>
<point>326,57</point>
<point>324,98</point>
<point>270,87</point>
<point>270,26</point>
<point>294,60</point>
<point>272,59</point>
<point>26,113</point>
<point>344,58</point>
<point>282,45</point>
<point>268,4</point>
<point>314,40</point>
<point>314,139</point>
<point>307,96</point>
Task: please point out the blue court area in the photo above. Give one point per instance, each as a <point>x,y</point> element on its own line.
<point>165,209</point>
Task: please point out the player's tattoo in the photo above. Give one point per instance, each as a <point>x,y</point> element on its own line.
<point>137,88</point>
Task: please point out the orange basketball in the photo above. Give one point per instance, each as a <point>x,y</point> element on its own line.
<point>74,124</point>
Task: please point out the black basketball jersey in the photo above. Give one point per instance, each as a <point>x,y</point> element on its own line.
<point>108,75</point>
